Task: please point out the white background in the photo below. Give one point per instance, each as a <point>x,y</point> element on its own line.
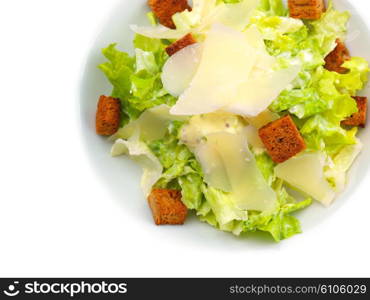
<point>57,218</point>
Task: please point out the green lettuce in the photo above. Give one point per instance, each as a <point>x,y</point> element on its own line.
<point>316,90</point>
<point>323,130</point>
<point>336,169</point>
<point>136,80</point>
<point>266,166</point>
<point>330,27</point>
<point>220,211</point>
<point>317,38</point>
<point>320,99</point>
<point>181,169</point>
<point>223,207</point>
<point>326,92</point>
<point>321,134</point>
<point>273,7</point>
<point>279,223</point>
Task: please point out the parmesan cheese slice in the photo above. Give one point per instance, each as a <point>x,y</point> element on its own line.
<point>194,135</point>
<point>213,168</point>
<point>255,95</point>
<point>227,60</point>
<point>235,74</point>
<point>306,173</point>
<point>249,189</point>
<point>254,140</point>
<point>219,142</point>
<point>187,61</point>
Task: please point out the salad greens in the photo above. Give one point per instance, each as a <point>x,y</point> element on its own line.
<point>136,79</point>
<point>318,100</point>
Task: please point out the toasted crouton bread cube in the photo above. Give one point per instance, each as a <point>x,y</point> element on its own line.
<point>282,139</point>
<point>336,58</point>
<point>359,118</point>
<point>180,44</point>
<point>165,9</point>
<point>306,9</point>
<point>167,207</point>
<point>108,115</point>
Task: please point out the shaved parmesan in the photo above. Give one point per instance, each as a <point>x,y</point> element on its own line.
<point>195,133</point>
<point>218,75</point>
<point>187,60</point>
<point>306,173</point>
<point>213,168</point>
<point>249,189</point>
<point>242,80</point>
<point>254,140</point>
<point>219,142</point>
<point>255,95</point>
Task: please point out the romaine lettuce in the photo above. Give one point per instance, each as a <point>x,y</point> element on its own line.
<point>136,80</point>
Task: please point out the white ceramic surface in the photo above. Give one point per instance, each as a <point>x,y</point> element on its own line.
<point>122,176</point>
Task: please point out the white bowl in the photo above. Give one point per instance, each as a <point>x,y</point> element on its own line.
<point>122,176</point>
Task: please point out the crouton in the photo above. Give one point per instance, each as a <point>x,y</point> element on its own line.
<point>336,58</point>
<point>282,139</point>
<point>306,9</point>
<point>180,44</point>
<point>359,118</point>
<point>165,9</point>
<point>108,115</point>
<point>167,207</point>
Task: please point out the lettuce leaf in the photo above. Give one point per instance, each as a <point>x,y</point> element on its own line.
<point>181,169</point>
<point>320,98</point>
<point>337,168</point>
<point>139,152</point>
<point>136,80</point>
<point>220,211</point>
<point>273,7</point>
<point>191,192</point>
<point>323,131</point>
<point>223,206</point>
<point>118,70</point>
<point>321,134</point>
<point>330,27</point>
<point>274,29</point>
<point>279,223</point>
<point>357,76</point>
<point>326,92</point>
<point>266,166</point>
<point>317,90</point>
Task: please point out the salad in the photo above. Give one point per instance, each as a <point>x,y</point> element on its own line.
<point>231,107</point>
